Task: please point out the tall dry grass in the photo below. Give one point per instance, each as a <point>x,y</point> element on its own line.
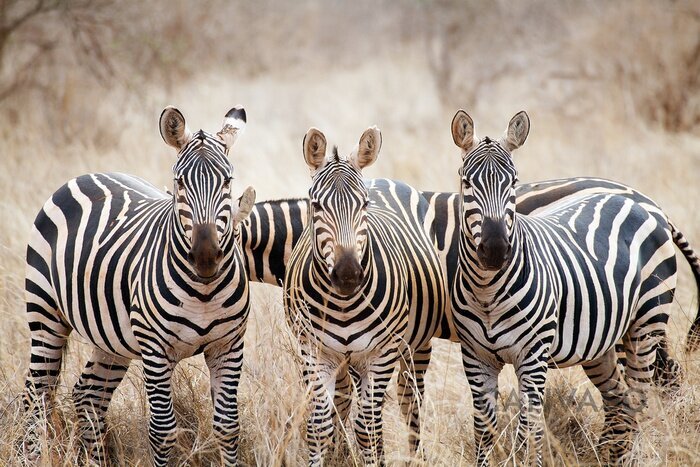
<point>597,91</point>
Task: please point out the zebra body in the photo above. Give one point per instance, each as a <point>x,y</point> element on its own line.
<point>363,291</point>
<point>143,275</point>
<point>557,288</point>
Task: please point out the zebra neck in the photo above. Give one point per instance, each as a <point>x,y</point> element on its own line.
<point>486,286</point>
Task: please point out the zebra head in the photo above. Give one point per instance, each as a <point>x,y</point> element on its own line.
<point>202,179</point>
<point>339,200</point>
<point>488,178</point>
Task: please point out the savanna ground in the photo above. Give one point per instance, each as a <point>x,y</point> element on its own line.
<point>612,90</point>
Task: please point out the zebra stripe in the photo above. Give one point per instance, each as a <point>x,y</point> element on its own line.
<point>556,288</point>
<point>142,275</point>
<point>360,306</point>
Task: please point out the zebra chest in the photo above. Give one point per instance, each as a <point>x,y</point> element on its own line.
<point>187,323</point>
<point>357,325</point>
<point>503,331</point>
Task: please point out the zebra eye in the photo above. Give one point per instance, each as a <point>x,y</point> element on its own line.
<point>316,206</point>
<point>227,183</point>
<point>466,184</point>
<point>365,204</point>
<point>181,183</point>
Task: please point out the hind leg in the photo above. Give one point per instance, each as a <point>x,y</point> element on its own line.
<point>668,373</point>
<point>92,394</point>
<point>49,336</point>
<point>411,387</point>
<point>645,340</point>
<point>620,414</point>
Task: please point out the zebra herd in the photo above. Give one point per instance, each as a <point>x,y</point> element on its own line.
<point>551,274</point>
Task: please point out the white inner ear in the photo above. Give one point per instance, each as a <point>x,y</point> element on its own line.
<point>228,135</point>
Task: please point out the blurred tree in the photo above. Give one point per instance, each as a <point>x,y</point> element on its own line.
<point>41,34</point>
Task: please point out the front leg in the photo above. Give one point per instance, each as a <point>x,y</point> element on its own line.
<point>411,387</point>
<point>319,378</point>
<point>483,382</point>
<point>158,370</point>
<point>224,364</point>
<point>532,376</point>
<point>368,424</point>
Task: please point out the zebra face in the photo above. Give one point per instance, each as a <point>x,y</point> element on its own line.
<point>488,178</point>
<point>339,201</point>
<point>203,205</point>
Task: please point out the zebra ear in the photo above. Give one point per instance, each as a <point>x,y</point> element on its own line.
<point>368,148</point>
<point>314,149</point>
<point>463,130</point>
<point>517,131</point>
<point>233,126</point>
<point>173,128</point>
<point>245,205</point>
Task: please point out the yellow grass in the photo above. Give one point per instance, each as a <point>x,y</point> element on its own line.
<point>580,126</point>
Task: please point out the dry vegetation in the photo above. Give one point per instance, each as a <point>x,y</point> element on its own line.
<point>612,88</point>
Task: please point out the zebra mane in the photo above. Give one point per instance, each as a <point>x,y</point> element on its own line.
<point>336,157</point>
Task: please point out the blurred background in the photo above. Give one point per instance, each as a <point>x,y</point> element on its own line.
<point>612,90</point>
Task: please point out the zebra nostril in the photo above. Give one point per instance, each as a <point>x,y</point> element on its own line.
<point>190,257</point>
<point>219,254</point>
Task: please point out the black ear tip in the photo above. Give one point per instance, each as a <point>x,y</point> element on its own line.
<point>238,113</point>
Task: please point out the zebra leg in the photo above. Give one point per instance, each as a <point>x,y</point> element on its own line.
<point>225,373</point>
<point>368,424</point>
<point>92,393</point>
<point>342,400</point>
<point>411,386</point>
<point>620,418</point>
<point>320,381</point>
<point>532,376</point>
<point>162,430</point>
<point>483,382</point>
<point>668,373</point>
<point>49,336</point>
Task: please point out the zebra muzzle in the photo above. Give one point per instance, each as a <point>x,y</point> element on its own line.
<point>494,249</point>
<point>206,254</point>
<point>346,276</point>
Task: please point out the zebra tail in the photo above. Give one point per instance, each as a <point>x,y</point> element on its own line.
<point>682,243</point>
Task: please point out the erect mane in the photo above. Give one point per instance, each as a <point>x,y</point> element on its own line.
<point>336,157</point>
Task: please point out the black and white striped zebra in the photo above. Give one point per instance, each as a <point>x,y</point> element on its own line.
<point>274,227</point>
<point>557,288</point>
<point>363,290</point>
<point>143,275</point>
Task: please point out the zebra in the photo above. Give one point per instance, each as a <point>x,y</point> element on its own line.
<point>557,288</point>
<point>142,275</point>
<point>274,227</point>
<point>363,290</point>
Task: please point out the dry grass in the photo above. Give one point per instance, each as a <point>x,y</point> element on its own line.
<point>343,68</point>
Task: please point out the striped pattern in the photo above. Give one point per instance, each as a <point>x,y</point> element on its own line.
<point>556,288</point>
<point>355,339</point>
<point>118,262</point>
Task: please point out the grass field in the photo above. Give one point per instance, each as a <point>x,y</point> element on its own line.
<point>627,112</point>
